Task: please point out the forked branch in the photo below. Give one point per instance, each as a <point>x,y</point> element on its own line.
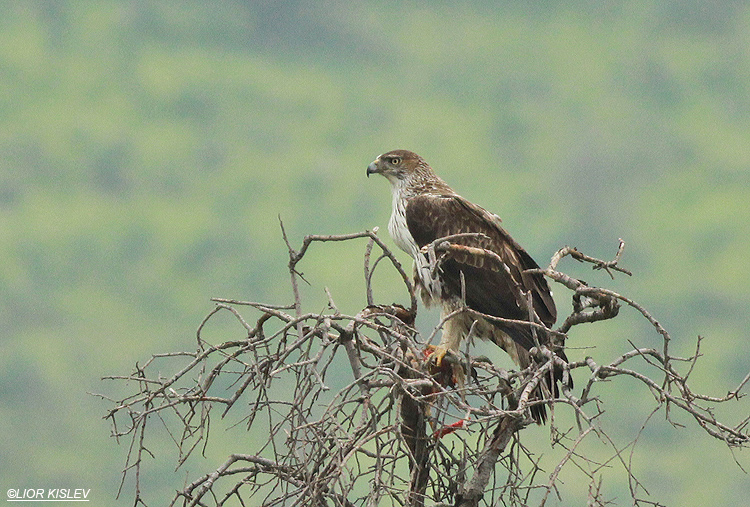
<point>344,409</point>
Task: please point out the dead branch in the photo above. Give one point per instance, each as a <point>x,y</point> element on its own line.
<point>344,409</point>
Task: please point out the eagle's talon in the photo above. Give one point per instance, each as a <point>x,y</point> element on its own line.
<point>436,354</point>
<point>445,366</point>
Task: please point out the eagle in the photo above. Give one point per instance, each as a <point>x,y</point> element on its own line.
<point>482,268</point>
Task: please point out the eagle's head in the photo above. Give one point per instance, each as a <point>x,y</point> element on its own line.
<point>398,166</point>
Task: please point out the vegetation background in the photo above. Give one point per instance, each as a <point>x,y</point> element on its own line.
<point>147,149</point>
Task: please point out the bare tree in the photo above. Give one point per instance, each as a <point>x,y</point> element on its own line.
<point>347,411</point>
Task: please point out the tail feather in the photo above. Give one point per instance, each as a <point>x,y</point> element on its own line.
<point>547,388</point>
<point>514,340</point>
<point>538,412</point>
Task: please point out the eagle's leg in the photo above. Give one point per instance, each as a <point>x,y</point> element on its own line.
<point>450,341</point>
<point>450,370</point>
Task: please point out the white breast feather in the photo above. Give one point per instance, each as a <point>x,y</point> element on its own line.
<point>399,231</point>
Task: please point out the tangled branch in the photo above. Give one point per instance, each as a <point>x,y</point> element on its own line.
<point>345,409</point>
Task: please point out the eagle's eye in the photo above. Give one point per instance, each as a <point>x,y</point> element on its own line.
<point>396,160</point>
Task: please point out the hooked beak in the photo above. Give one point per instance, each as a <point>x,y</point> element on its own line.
<point>372,169</point>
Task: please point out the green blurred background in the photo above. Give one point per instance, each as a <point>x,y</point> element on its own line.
<point>147,149</point>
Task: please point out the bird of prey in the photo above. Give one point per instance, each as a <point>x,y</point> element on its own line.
<point>483,268</point>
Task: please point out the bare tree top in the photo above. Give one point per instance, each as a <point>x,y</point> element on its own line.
<point>351,413</point>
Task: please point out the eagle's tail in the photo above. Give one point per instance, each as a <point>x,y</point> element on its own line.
<point>558,375</point>
<point>517,341</point>
<point>548,387</point>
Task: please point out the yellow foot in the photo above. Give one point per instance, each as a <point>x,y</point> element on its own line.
<point>435,354</point>
<point>447,371</point>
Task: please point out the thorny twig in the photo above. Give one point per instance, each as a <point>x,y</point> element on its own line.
<point>344,410</point>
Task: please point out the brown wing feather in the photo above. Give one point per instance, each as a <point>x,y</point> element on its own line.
<point>490,287</point>
<point>544,305</point>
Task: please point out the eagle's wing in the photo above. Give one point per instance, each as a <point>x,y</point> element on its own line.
<point>493,288</point>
